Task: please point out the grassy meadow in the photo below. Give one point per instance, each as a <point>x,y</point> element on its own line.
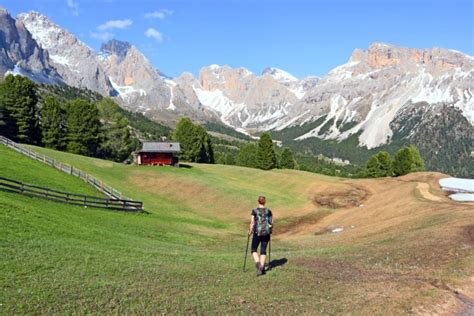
<point>399,252</point>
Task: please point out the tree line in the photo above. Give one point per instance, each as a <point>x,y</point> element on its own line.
<point>406,160</point>
<point>102,129</point>
<point>77,126</point>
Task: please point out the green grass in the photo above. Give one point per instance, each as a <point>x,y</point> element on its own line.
<point>185,256</point>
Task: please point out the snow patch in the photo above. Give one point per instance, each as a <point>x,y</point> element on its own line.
<point>58,59</point>
<point>457,185</point>
<point>170,83</point>
<point>299,92</point>
<point>462,197</point>
<point>16,71</point>
<point>344,66</point>
<point>126,91</point>
<point>280,75</point>
<point>215,99</point>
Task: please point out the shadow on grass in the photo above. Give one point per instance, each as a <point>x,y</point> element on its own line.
<point>277,262</point>
<point>185,166</point>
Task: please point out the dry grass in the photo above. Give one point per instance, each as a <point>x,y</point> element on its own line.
<point>402,235</point>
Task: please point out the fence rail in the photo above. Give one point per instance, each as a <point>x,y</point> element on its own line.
<point>67,197</point>
<point>98,184</point>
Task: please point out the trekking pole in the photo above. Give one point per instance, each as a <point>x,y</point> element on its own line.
<point>270,254</point>
<point>246,251</point>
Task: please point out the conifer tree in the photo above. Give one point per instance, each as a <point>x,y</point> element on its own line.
<point>417,161</point>
<point>385,164</point>
<point>229,159</point>
<point>83,125</point>
<point>18,102</point>
<point>53,124</point>
<point>116,140</point>
<point>373,167</point>
<point>203,141</point>
<point>408,159</point>
<point>247,156</point>
<point>3,120</point>
<point>287,159</point>
<point>266,157</point>
<point>184,134</point>
<point>196,144</point>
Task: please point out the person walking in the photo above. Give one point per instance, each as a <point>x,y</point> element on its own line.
<point>261,226</point>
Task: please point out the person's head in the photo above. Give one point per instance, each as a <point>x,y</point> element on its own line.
<point>262,200</point>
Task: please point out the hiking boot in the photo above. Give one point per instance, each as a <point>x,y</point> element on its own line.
<point>259,269</point>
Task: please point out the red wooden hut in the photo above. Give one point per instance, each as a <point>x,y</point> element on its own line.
<point>159,154</point>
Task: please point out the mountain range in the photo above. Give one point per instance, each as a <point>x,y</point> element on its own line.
<point>383,97</point>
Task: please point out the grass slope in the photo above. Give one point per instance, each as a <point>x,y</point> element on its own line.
<point>395,253</point>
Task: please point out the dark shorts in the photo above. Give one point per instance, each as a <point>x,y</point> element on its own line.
<point>256,240</point>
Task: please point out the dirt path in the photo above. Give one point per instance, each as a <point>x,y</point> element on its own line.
<point>424,189</point>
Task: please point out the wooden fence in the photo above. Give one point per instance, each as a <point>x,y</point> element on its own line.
<point>67,197</point>
<point>98,184</point>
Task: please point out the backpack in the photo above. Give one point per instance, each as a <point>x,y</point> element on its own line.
<point>263,222</point>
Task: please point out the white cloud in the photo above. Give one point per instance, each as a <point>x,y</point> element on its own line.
<point>160,14</point>
<point>115,24</point>
<point>74,6</point>
<point>103,36</point>
<point>151,32</point>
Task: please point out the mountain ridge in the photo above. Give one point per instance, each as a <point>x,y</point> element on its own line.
<point>361,98</point>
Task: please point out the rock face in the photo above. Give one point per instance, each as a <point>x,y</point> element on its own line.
<point>141,87</point>
<point>21,54</point>
<point>249,102</point>
<point>75,61</point>
<point>374,87</point>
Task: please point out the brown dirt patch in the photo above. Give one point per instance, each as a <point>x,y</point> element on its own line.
<point>301,221</point>
<point>469,233</point>
<point>341,199</point>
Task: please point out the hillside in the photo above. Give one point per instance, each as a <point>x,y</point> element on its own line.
<point>404,244</point>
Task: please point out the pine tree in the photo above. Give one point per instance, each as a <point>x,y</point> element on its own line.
<point>287,159</point>
<point>229,159</point>
<point>408,159</point>
<point>266,158</point>
<point>117,143</point>
<point>203,141</point>
<point>417,161</point>
<point>184,134</point>
<point>385,164</point>
<point>373,167</point>
<point>84,126</point>
<point>247,156</point>
<point>4,119</point>
<point>196,144</point>
<point>18,100</point>
<point>53,124</point>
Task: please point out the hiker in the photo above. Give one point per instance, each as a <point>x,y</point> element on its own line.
<point>261,226</point>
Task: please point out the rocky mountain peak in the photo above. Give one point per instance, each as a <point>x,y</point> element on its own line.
<point>4,11</point>
<point>75,61</point>
<point>279,75</point>
<point>21,54</point>
<point>116,47</point>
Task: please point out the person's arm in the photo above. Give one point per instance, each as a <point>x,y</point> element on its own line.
<point>252,222</point>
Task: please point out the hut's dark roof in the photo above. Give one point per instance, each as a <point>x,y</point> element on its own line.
<point>160,147</point>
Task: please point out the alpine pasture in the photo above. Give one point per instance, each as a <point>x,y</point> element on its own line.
<point>402,246</point>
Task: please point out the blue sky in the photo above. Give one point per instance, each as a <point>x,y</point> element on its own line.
<point>302,37</point>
